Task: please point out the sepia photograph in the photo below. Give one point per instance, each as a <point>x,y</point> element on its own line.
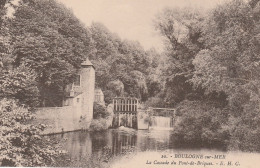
<point>130,83</point>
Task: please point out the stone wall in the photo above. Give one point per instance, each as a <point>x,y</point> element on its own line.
<point>60,119</point>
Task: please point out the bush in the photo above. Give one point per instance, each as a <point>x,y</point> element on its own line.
<point>20,84</point>
<point>108,96</point>
<point>245,132</point>
<point>155,102</point>
<point>100,111</point>
<point>21,143</point>
<point>98,125</point>
<point>201,124</point>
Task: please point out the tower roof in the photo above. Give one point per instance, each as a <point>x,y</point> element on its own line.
<point>87,63</point>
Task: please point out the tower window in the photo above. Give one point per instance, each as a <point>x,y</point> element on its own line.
<point>77,80</point>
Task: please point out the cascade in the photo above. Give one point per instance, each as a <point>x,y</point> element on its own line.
<point>160,122</point>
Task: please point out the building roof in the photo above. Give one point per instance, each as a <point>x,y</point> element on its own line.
<point>87,63</point>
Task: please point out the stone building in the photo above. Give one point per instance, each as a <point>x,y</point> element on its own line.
<point>81,93</point>
<point>76,112</point>
<point>99,96</point>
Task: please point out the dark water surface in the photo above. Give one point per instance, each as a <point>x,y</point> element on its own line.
<point>129,148</point>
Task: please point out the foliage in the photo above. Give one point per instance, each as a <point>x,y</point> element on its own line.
<point>102,118</point>
<point>116,87</point>
<point>48,39</point>
<point>3,10</point>
<point>231,65</point>
<point>181,29</point>
<point>100,111</point>
<point>108,96</point>
<point>19,84</point>
<point>155,102</point>
<point>20,143</point>
<point>122,67</point>
<point>201,124</point>
<point>214,58</point>
<point>98,125</point>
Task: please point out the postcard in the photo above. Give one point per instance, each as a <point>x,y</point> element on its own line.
<point>130,83</point>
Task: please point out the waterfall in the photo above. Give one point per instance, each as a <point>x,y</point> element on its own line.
<point>160,122</point>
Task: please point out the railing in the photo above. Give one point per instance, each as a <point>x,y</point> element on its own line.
<point>125,104</point>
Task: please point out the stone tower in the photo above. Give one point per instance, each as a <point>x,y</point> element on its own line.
<point>87,82</point>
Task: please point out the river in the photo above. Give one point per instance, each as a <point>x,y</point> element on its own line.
<point>127,148</point>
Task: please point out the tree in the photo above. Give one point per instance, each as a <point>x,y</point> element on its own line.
<point>135,85</point>
<point>20,84</point>
<point>122,67</point>
<point>117,87</point>
<point>182,30</point>
<point>4,34</point>
<point>3,10</point>
<point>200,124</point>
<point>230,64</point>
<point>214,60</point>
<point>20,143</point>
<point>51,41</point>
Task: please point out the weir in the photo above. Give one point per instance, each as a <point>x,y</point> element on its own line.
<point>162,118</point>
<point>161,122</point>
<point>129,113</point>
<point>125,112</point>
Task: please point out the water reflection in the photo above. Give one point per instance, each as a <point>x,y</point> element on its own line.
<point>115,147</point>
<point>115,142</point>
<point>79,145</point>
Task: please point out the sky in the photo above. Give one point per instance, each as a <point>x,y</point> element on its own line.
<point>131,19</point>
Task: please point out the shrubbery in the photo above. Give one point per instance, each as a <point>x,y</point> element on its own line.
<point>201,124</point>
<point>155,102</point>
<point>99,124</point>
<point>100,111</point>
<point>21,143</point>
<point>101,117</point>
<point>217,60</point>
